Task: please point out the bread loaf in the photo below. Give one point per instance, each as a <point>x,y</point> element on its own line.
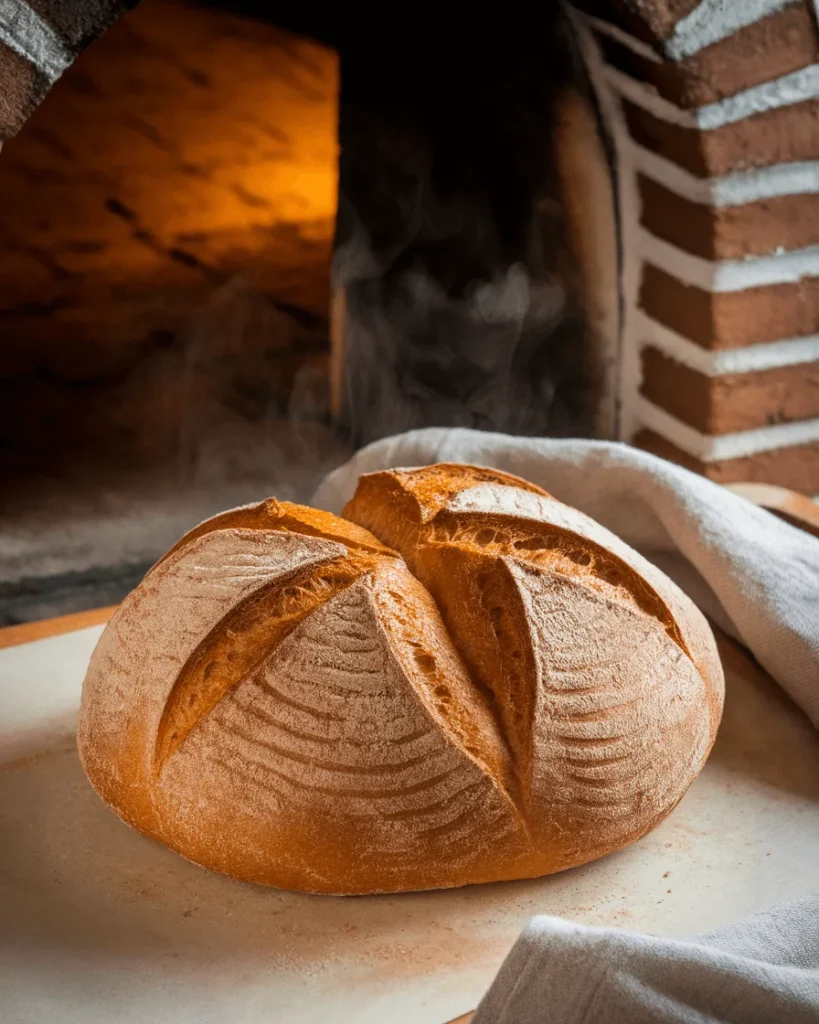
<point>462,680</point>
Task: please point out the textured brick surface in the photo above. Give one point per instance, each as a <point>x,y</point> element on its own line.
<point>165,235</point>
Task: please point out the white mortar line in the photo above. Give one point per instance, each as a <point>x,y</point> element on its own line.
<point>711,21</point>
<point>781,92</point>
<point>770,355</point>
<point>24,31</point>
<point>729,275</point>
<point>799,178</point>
<point>720,448</point>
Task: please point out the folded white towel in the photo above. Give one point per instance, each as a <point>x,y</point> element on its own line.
<point>755,575</point>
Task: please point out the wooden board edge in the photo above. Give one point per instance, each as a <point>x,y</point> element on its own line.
<point>26,632</point>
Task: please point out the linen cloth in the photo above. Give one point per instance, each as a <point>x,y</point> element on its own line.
<point>761,970</point>
<point>755,575</point>
<point>758,578</point>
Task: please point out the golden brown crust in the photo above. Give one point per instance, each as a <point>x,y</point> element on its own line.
<point>462,680</point>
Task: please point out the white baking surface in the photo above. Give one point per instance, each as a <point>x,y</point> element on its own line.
<point>98,924</point>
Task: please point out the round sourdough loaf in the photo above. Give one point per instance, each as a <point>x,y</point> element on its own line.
<point>462,680</point>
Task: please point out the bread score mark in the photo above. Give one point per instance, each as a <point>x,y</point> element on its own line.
<point>245,638</point>
<point>484,619</point>
<point>442,680</point>
<point>557,547</point>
